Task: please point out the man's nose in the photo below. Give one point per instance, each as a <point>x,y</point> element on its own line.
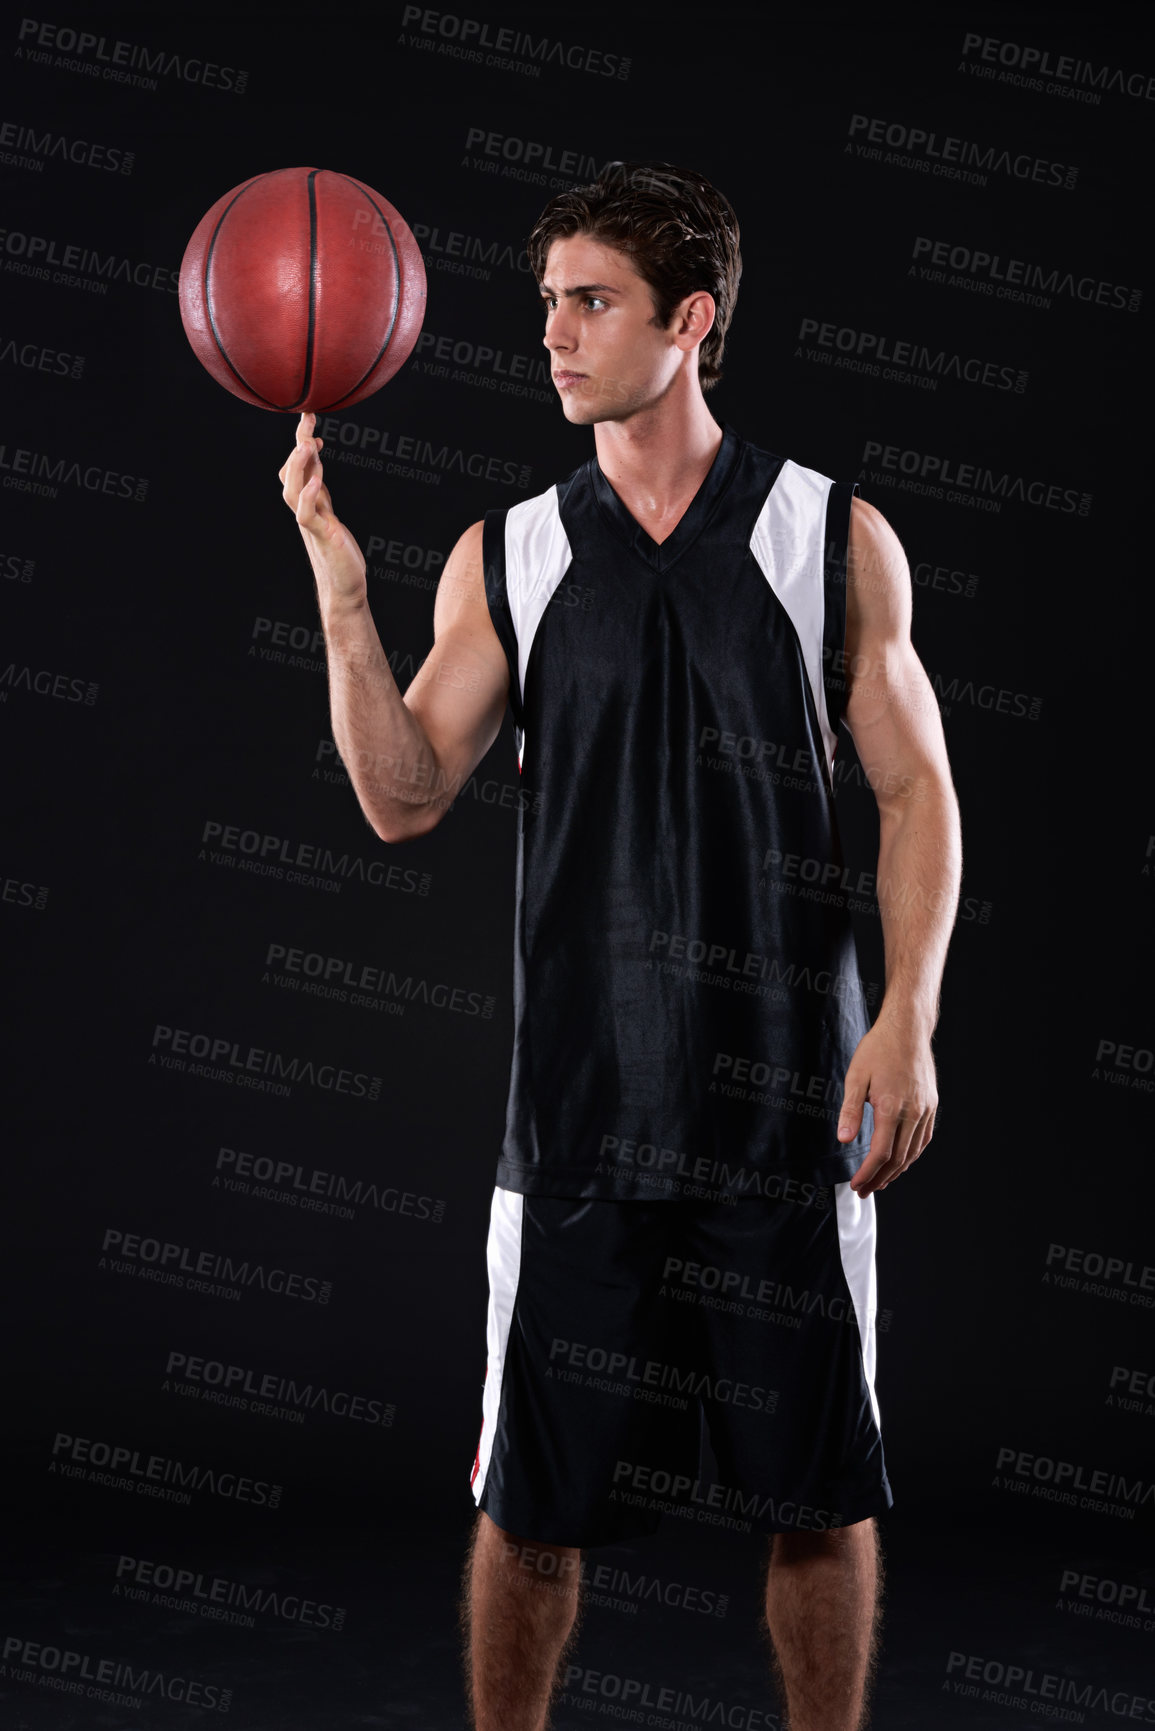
<point>558,332</point>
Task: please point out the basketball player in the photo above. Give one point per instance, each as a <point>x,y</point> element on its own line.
<point>699,1104</point>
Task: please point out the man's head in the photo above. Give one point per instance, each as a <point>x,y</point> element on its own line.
<point>664,243</point>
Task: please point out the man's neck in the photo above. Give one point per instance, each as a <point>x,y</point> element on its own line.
<point>658,458</point>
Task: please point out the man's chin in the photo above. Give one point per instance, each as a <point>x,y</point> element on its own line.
<point>584,411</point>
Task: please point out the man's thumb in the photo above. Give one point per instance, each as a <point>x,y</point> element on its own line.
<point>850,1117</point>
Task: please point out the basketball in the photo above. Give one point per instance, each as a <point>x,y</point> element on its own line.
<point>302,289</point>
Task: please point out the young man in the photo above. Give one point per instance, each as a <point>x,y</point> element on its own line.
<point>700,1111</point>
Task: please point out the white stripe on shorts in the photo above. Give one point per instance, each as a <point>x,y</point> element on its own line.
<point>857,1231</point>
<point>503,1257</point>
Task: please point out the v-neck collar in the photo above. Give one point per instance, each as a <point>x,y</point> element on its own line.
<point>662,554</point>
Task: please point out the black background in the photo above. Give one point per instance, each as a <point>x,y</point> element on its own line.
<point>116,920</point>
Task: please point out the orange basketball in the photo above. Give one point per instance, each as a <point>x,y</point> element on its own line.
<point>302,289</point>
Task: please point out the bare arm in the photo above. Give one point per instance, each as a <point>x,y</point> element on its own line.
<point>407,757</point>
<point>895,723</point>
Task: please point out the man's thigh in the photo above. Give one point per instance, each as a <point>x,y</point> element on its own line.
<point>580,1390</point>
<point>786,1291</point>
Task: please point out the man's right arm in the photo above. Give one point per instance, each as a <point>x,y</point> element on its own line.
<point>407,756</point>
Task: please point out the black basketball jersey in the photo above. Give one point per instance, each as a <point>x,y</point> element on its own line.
<point>687,994</point>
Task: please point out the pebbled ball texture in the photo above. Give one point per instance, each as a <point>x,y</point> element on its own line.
<point>302,289</point>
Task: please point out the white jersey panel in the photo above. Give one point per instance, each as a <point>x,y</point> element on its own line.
<point>789,542</point>
<point>537,557</point>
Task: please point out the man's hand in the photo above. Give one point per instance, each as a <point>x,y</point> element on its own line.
<point>338,563</point>
<point>894,1070</point>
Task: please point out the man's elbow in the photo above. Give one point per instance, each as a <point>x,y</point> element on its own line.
<point>914,791</point>
<point>416,820</point>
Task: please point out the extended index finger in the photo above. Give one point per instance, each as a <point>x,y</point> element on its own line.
<point>296,471</point>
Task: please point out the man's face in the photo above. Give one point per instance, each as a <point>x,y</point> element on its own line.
<point>607,333</point>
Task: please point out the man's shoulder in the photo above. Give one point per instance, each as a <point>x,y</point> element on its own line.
<point>779,472</point>
<point>550,499</point>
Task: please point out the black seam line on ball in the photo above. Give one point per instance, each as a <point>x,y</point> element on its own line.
<point>208,294</point>
<point>336,404</point>
<point>313,267</point>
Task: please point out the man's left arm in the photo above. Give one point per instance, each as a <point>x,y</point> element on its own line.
<point>894,720</point>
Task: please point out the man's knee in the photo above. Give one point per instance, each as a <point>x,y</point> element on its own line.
<point>539,1560</point>
<point>526,1559</point>
<point>825,1541</point>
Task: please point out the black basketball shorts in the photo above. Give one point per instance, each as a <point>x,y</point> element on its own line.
<point>628,1342</point>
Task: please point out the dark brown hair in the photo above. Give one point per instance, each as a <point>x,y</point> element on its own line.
<point>678,231</point>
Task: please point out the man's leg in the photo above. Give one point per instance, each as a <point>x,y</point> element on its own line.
<point>823,1610</point>
<point>519,1613</point>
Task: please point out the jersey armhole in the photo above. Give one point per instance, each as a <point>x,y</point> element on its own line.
<point>497,599</point>
<point>835,673</point>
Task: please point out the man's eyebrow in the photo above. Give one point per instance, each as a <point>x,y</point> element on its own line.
<point>585,289</point>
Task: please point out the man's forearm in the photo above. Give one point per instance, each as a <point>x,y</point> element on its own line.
<point>919,877</point>
<point>382,744</point>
